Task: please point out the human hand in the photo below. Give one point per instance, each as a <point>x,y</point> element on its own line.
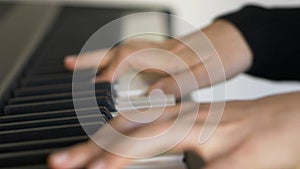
<point>209,56</point>
<point>255,134</point>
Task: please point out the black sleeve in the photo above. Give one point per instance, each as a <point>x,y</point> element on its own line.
<point>273,36</point>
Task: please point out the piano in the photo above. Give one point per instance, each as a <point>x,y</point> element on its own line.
<point>37,114</point>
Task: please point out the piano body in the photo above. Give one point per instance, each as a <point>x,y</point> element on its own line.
<point>37,114</point>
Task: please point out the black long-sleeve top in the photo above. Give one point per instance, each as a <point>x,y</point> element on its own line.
<point>274,38</point>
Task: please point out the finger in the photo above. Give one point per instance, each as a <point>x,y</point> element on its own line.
<point>180,84</point>
<point>143,116</point>
<point>110,74</point>
<point>228,135</point>
<point>109,161</point>
<point>149,131</point>
<point>200,75</point>
<point>117,66</point>
<point>130,121</point>
<point>167,84</point>
<point>80,155</point>
<point>122,125</point>
<point>89,60</point>
<point>126,150</point>
<point>146,57</point>
<point>231,161</point>
<point>74,157</point>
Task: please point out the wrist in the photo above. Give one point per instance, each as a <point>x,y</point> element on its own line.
<point>231,46</point>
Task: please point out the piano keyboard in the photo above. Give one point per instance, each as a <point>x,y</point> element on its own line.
<point>39,117</point>
<point>37,114</point>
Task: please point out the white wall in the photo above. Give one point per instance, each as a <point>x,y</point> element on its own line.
<point>198,12</point>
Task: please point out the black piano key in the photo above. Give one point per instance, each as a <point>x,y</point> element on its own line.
<point>38,80</point>
<point>45,58</point>
<point>36,116</point>
<point>24,158</point>
<point>46,70</point>
<point>36,159</point>
<point>106,113</point>
<point>57,96</point>
<point>60,88</point>
<point>51,122</point>
<point>57,105</point>
<point>40,62</point>
<point>50,115</point>
<point>42,90</point>
<point>41,144</point>
<point>43,133</point>
<point>39,166</point>
<point>60,78</point>
<point>193,160</point>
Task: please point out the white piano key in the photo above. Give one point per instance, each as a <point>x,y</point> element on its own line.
<point>174,161</point>
<point>140,102</point>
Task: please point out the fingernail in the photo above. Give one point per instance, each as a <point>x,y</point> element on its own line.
<point>97,165</point>
<point>60,158</point>
<point>70,58</point>
<point>102,78</point>
<point>156,92</point>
